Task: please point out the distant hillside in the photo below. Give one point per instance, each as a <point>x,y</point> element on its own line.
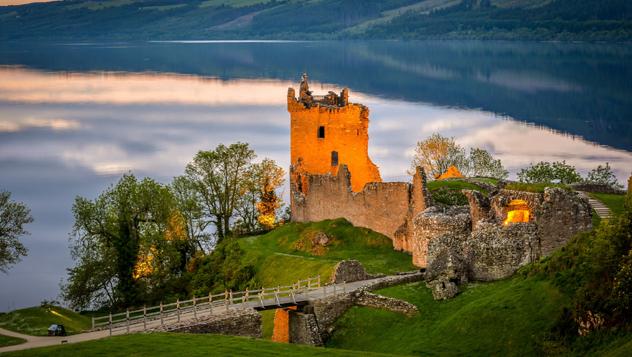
<point>318,19</point>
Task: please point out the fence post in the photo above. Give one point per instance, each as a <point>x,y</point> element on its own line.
<point>261,297</point>
<point>110,323</point>
<point>226,299</point>
<point>93,322</point>
<point>162,322</point>
<point>292,294</point>
<point>178,308</point>
<point>144,317</point>
<point>127,319</point>
<point>230,294</point>
<point>245,296</point>
<point>318,281</point>
<point>194,308</point>
<point>276,296</point>
<point>309,284</point>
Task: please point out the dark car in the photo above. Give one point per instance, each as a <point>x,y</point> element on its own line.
<point>56,330</point>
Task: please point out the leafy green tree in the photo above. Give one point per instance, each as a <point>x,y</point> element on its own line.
<point>223,269</point>
<point>547,172</point>
<point>218,178</point>
<point>437,153</point>
<point>13,217</point>
<point>603,175</point>
<point>189,205</point>
<point>127,221</point>
<point>483,164</point>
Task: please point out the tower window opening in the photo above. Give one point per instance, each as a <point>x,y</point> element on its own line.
<point>321,132</point>
<point>334,158</point>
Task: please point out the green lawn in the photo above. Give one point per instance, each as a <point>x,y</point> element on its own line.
<point>10,341</point>
<point>286,254</point>
<point>612,201</point>
<point>502,318</point>
<point>163,344</point>
<point>35,320</point>
<point>449,191</point>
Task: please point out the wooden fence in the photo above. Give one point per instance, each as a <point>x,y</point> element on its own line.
<point>141,319</point>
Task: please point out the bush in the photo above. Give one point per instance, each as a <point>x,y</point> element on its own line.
<point>547,172</point>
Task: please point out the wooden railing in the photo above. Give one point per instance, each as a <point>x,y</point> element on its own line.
<point>208,305</point>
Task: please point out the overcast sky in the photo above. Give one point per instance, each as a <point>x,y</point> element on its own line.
<point>20,2</point>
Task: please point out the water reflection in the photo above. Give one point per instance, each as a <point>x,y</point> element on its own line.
<point>73,129</point>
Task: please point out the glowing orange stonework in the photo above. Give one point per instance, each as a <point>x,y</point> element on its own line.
<point>326,132</point>
<point>518,212</point>
<point>451,172</point>
<point>281,330</point>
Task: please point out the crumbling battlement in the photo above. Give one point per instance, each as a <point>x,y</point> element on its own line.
<point>385,207</point>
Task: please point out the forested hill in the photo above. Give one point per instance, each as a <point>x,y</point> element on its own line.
<point>319,19</point>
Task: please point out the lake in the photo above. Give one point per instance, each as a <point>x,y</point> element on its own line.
<point>75,116</point>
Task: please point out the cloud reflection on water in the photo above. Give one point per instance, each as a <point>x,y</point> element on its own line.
<point>63,135</point>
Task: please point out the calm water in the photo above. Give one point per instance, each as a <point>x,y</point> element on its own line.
<point>73,117</point>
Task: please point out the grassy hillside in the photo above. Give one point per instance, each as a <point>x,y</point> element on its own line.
<point>288,254</point>
<point>10,341</point>
<point>502,318</point>
<point>318,19</point>
<point>36,320</point>
<point>162,344</point>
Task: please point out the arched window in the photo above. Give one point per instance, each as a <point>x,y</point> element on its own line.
<point>334,158</point>
<point>321,132</point>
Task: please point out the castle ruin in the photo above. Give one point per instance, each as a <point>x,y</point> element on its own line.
<point>332,176</point>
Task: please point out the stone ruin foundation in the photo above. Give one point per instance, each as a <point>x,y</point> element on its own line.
<point>494,236</point>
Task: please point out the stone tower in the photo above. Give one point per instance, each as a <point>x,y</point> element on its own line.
<point>326,131</point>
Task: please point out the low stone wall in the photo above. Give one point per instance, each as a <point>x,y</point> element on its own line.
<point>365,298</point>
<point>243,322</point>
<point>596,188</point>
<point>304,329</point>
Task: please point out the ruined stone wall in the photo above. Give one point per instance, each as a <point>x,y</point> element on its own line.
<point>382,207</point>
<point>244,322</point>
<point>345,132</point>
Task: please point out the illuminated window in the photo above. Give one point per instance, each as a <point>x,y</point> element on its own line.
<point>517,212</point>
<point>321,132</point>
<point>334,158</point>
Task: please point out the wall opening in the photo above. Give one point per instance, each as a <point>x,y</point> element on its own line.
<point>321,132</point>
<point>334,158</point>
<point>517,212</point>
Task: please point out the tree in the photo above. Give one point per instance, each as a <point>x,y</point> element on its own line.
<point>269,177</point>
<point>218,178</point>
<point>112,234</point>
<point>13,217</point>
<point>484,165</point>
<point>437,153</point>
<point>603,175</point>
<point>189,205</point>
<point>547,172</point>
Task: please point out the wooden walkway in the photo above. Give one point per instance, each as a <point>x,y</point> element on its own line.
<point>602,210</point>
<point>150,318</point>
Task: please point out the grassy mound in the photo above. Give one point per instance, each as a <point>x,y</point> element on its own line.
<point>10,341</point>
<point>501,318</point>
<point>36,320</point>
<point>172,344</point>
<point>448,192</point>
<point>290,253</point>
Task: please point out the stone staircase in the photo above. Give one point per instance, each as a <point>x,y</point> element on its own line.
<point>602,210</point>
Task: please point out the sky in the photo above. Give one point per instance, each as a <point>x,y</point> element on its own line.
<point>20,2</point>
